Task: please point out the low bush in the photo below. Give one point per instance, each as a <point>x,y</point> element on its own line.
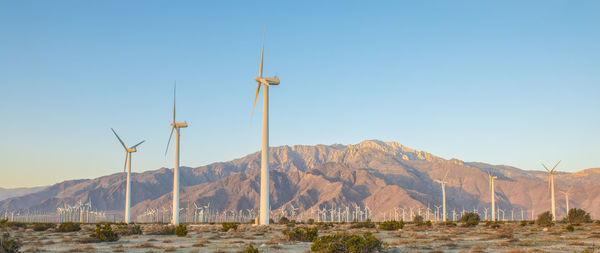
<point>310,221</point>
<point>161,230</point>
<point>570,228</point>
<point>450,223</point>
<point>347,243</point>
<point>577,216</point>
<point>303,235</point>
<point>250,249</point>
<point>42,226</point>
<point>418,219</point>
<point>363,224</point>
<point>181,230</point>
<point>226,226</point>
<point>131,229</point>
<point>283,220</point>
<point>68,227</point>
<point>391,225</point>
<point>9,244</point>
<point>524,223</point>
<point>470,219</point>
<point>544,219</point>
<point>104,232</point>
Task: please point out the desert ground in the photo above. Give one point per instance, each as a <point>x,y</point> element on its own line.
<point>503,237</point>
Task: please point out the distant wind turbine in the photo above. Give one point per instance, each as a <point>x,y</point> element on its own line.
<point>551,174</point>
<point>175,126</point>
<point>443,183</point>
<point>491,177</point>
<point>566,193</point>
<point>264,168</point>
<point>127,169</point>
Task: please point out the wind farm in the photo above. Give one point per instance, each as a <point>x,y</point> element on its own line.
<point>398,128</point>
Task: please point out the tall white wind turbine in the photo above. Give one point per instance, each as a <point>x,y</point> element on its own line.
<point>175,126</point>
<point>264,168</point>
<point>443,183</point>
<point>551,174</point>
<point>127,169</point>
<point>566,193</point>
<point>491,177</point>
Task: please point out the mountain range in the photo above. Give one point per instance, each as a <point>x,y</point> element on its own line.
<point>377,174</point>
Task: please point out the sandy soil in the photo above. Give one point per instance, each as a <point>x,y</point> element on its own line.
<point>509,237</point>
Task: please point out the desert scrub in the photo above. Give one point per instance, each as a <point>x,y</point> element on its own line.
<point>570,228</point>
<point>161,230</point>
<point>391,225</point>
<point>347,243</point>
<point>181,230</point>
<point>363,224</point>
<point>303,235</point>
<point>577,216</point>
<point>104,232</point>
<point>283,220</point>
<point>544,219</point>
<point>470,219</point>
<point>42,226</point>
<point>226,226</point>
<point>250,249</point>
<point>9,244</point>
<point>68,227</point>
<point>131,229</point>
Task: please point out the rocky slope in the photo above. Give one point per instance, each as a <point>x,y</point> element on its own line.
<point>381,175</point>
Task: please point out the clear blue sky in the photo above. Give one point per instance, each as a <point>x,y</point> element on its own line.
<point>503,82</point>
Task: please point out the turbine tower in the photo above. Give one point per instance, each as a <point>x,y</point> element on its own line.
<point>491,177</point>
<point>566,193</point>
<point>175,126</point>
<point>264,168</point>
<point>127,169</point>
<point>551,174</point>
<point>443,183</point>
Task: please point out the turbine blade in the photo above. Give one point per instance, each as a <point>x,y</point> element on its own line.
<point>134,146</point>
<point>174,100</point>
<point>262,53</point>
<point>545,167</point>
<point>121,141</point>
<point>555,166</point>
<point>125,165</point>
<point>169,142</point>
<point>255,98</point>
<point>447,170</point>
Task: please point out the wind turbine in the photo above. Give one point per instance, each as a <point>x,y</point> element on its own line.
<point>491,177</point>
<point>127,169</point>
<point>264,168</point>
<point>443,183</point>
<point>566,193</point>
<point>175,126</point>
<point>551,186</point>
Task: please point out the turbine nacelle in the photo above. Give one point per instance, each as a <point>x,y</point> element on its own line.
<point>267,80</point>
<point>179,124</point>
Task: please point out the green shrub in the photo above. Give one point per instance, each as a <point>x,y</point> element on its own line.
<point>8,244</point>
<point>391,225</point>
<point>283,220</point>
<point>303,235</point>
<point>418,219</point>
<point>161,230</point>
<point>363,224</point>
<point>42,226</point>
<point>524,223</point>
<point>68,227</point>
<point>577,216</point>
<point>250,249</point>
<point>271,221</point>
<point>181,230</point>
<point>310,221</point>
<point>347,243</point>
<point>544,219</point>
<point>3,222</point>
<point>105,233</point>
<point>470,219</point>
<point>570,228</point>
<point>450,223</point>
<point>131,229</point>
<point>226,226</point>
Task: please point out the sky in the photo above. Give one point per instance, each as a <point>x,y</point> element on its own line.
<point>502,82</point>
